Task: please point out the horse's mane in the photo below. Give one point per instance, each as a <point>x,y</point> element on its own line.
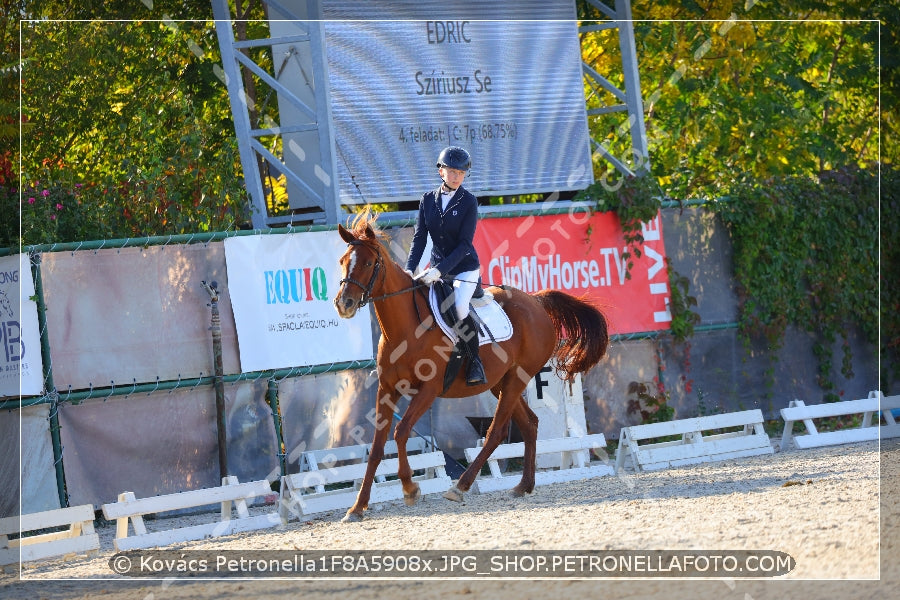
<point>364,227</point>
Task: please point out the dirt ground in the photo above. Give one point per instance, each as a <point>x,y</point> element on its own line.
<point>819,506</point>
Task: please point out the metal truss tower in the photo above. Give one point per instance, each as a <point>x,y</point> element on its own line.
<point>630,101</point>
<point>302,140</point>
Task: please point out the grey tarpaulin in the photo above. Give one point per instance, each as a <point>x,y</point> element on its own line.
<point>37,477</point>
<point>164,442</point>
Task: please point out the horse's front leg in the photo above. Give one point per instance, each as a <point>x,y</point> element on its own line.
<point>383,416</point>
<point>420,403</point>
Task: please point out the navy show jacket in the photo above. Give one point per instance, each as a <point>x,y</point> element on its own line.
<point>452,232</point>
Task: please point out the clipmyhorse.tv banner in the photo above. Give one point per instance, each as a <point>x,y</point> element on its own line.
<point>281,289</point>
<point>582,254</point>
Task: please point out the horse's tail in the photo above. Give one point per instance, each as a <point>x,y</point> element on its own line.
<point>581,328</point>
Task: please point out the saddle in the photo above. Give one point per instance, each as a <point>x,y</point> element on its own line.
<point>491,320</point>
<point>493,323</point>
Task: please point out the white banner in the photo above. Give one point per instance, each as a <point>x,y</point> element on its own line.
<point>281,289</point>
<point>20,356</point>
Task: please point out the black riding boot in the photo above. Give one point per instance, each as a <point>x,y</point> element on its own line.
<point>468,333</point>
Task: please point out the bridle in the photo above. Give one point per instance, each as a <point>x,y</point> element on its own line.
<point>367,289</point>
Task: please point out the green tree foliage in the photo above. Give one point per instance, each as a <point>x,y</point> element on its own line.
<point>806,254</point>
<point>148,141</point>
<point>129,129</point>
<point>774,108</point>
<point>890,278</point>
<point>9,122</point>
<point>726,96</point>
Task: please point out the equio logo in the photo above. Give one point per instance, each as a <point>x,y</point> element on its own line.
<point>287,286</point>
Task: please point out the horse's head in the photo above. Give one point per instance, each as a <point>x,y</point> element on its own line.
<point>361,266</point>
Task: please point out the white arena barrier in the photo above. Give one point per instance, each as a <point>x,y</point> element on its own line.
<point>797,410</point>
<point>693,447</point>
<point>342,470</point>
<point>79,537</point>
<point>572,454</point>
<point>129,508</point>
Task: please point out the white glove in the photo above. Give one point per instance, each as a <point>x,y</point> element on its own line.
<point>429,276</point>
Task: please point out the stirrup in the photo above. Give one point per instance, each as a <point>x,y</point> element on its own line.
<point>475,373</point>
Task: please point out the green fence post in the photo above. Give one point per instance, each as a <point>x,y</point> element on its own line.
<point>216,328</point>
<point>49,387</point>
<point>272,393</point>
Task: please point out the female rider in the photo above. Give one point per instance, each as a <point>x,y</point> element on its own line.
<point>449,215</point>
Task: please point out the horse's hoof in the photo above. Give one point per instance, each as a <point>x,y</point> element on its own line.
<point>351,517</point>
<point>520,491</point>
<point>454,494</point>
<point>411,499</point>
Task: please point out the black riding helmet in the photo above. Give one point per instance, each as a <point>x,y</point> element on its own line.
<point>454,157</point>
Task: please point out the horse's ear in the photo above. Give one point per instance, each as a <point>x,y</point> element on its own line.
<point>370,233</point>
<point>345,235</point>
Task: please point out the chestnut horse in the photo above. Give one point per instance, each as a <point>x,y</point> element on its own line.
<point>413,352</point>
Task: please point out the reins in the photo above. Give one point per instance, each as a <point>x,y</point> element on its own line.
<point>416,285</point>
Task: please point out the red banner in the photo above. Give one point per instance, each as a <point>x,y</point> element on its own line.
<point>582,254</point>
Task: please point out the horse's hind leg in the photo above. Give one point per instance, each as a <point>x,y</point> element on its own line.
<point>527,422</point>
<point>509,398</point>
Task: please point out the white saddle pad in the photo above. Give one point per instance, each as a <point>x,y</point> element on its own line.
<point>491,315</point>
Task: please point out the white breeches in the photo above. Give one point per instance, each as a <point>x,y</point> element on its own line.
<point>464,285</point>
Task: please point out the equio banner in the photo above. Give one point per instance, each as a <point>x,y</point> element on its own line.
<point>584,254</point>
<point>281,289</point>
